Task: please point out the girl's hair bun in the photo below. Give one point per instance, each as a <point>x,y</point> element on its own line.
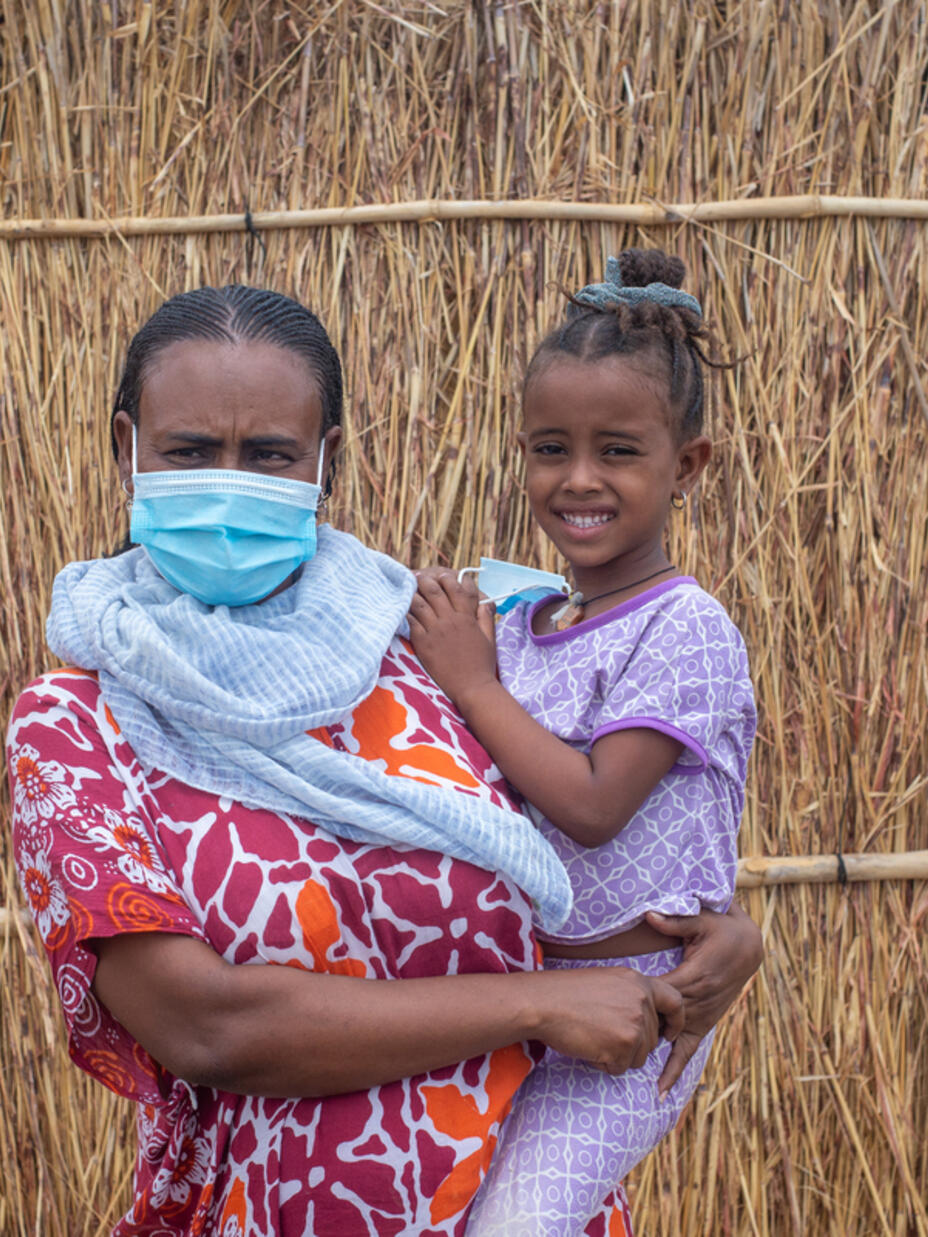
<point>640,267</point>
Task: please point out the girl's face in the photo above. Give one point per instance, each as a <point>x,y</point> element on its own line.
<point>602,464</point>
<point>249,406</point>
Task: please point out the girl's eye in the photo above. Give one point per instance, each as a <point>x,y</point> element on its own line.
<point>616,449</point>
<point>549,448</point>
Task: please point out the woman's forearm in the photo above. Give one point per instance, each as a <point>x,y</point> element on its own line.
<point>281,1031</point>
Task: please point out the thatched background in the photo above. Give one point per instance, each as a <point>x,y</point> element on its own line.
<point>811,526</point>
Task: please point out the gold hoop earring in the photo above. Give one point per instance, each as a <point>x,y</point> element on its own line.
<point>678,501</point>
<point>127,491</point>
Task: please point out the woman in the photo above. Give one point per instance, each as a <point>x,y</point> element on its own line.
<point>237,675</point>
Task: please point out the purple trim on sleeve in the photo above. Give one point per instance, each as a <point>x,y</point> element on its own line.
<point>673,732</point>
<point>607,616</point>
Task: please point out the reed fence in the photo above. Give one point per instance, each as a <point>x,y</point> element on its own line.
<point>359,138</point>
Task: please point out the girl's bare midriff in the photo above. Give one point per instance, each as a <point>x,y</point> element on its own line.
<point>642,939</point>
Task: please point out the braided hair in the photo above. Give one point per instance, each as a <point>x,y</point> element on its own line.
<point>233,314</point>
<point>671,335</point>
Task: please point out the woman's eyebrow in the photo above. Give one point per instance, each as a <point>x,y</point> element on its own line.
<point>190,439</point>
<point>193,440</point>
<point>272,440</point>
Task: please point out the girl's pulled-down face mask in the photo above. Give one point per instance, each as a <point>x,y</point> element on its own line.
<point>226,537</point>
<point>507,584</point>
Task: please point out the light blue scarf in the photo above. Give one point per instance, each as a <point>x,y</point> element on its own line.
<point>220,698</point>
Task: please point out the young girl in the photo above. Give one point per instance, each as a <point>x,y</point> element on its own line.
<point>624,717</point>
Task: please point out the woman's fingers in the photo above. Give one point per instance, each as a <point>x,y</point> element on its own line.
<point>683,926</point>
<point>683,1048</point>
<point>720,954</point>
<point>669,1005</point>
<point>609,1016</point>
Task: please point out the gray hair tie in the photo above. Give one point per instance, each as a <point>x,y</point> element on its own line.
<point>602,295</point>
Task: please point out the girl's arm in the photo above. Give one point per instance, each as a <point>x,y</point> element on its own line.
<point>588,797</point>
<point>281,1031</point>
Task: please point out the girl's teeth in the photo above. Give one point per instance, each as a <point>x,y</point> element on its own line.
<point>585,521</point>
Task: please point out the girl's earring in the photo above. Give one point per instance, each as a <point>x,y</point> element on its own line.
<point>127,492</point>
<point>678,501</point>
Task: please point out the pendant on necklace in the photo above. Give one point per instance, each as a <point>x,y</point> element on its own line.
<point>569,613</point>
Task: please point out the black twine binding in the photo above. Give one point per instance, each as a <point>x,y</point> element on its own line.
<point>253,235</point>
<point>842,869</point>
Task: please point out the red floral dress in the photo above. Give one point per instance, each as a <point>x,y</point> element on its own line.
<point>102,849</point>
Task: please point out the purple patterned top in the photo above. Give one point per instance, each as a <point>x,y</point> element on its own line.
<point>670,659</point>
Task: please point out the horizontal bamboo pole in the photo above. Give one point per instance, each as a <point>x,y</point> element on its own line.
<point>757,871</point>
<point>436,210</point>
<point>825,869</point>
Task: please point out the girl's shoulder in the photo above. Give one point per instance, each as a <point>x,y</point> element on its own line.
<point>686,597</point>
<point>687,618</point>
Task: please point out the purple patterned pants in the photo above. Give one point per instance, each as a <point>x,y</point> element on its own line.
<point>574,1132</point>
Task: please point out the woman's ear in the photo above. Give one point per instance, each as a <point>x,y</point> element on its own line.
<point>520,439</point>
<point>122,433</point>
<point>333,441</point>
<point>692,458</point>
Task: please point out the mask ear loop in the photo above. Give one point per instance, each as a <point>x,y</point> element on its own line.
<point>323,502</point>
<point>484,601</point>
<point>135,469</point>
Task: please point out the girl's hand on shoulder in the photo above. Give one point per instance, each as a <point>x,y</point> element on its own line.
<point>452,634</point>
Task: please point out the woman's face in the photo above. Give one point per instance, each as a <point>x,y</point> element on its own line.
<point>250,406</point>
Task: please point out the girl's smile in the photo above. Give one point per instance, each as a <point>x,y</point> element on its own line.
<point>602,464</point>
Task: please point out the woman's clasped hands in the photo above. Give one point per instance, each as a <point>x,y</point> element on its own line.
<point>611,1017</point>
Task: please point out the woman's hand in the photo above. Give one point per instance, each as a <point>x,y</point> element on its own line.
<point>452,634</point>
<point>720,954</point>
<point>611,1017</point>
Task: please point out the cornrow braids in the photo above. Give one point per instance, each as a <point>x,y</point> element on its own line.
<point>671,334</point>
<point>233,314</point>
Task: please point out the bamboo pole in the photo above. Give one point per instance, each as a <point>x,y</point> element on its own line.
<point>826,869</point>
<point>439,210</point>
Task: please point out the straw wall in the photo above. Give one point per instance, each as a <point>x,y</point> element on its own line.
<point>811,525</point>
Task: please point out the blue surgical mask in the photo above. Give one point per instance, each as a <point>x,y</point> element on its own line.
<point>228,538</point>
<point>509,583</point>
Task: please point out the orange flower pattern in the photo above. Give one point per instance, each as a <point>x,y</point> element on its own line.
<point>103,849</point>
